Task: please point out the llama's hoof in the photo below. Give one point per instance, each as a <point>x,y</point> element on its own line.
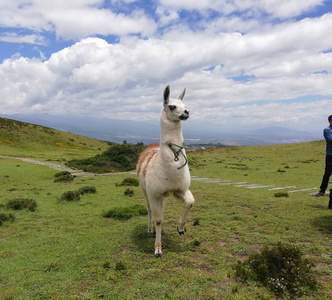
<point>158,253</point>
<point>180,232</point>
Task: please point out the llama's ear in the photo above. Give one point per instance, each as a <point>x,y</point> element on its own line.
<point>182,94</point>
<point>166,94</point>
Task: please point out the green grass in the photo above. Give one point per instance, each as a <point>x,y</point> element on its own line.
<point>68,250</point>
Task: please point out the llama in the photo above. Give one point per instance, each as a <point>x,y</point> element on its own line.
<point>163,168</point>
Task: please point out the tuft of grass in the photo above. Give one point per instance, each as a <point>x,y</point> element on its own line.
<point>71,196</point>
<point>125,213</point>
<point>107,265</point>
<point>22,203</point>
<point>6,218</point>
<point>196,222</point>
<point>281,268</point>
<point>120,266</point>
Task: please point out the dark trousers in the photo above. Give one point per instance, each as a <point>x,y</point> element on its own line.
<point>327,174</point>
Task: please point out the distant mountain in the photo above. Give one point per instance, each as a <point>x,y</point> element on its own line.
<point>280,131</point>
<point>148,131</point>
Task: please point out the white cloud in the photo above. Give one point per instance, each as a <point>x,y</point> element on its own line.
<point>73,19</point>
<point>257,76</point>
<point>12,37</point>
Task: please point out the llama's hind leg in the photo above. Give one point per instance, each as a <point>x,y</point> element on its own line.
<point>188,200</point>
<point>150,226</point>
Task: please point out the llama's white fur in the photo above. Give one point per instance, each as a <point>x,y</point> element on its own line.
<point>158,171</point>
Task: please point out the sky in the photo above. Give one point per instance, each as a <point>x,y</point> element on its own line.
<point>244,63</point>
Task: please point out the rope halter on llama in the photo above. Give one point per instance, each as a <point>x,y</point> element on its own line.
<point>177,153</point>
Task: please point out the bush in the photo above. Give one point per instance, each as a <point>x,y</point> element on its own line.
<point>129,181</point>
<point>6,218</point>
<point>63,176</point>
<point>119,157</point>
<point>22,203</point>
<point>281,194</point>
<point>282,269</point>
<point>129,192</point>
<point>125,213</point>
<point>71,196</point>
<point>87,190</point>
<point>63,173</point>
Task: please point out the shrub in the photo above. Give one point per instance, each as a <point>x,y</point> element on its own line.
<point>125,213</point>
<point>71,196</point>
<point>63,176</point>
<point>129,192</point>
<point>281,194</point>
<point>87,190</point>
<point>63,173</point>
<point>281,268</point>
<point>129,181</point>
<point>119,157</point>
<point>22,203</point>
<point>6,218</point>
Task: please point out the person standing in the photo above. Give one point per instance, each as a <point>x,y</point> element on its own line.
<point>328,160</point>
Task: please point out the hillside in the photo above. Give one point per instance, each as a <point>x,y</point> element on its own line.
<point>18,137</point>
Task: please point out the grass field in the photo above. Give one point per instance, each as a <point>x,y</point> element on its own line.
<point>68,250</point>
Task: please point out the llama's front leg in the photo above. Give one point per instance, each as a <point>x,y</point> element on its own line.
<point>157,245</point>
<point>188,200</point>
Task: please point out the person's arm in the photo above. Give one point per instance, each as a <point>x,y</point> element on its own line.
<point>328,135</point>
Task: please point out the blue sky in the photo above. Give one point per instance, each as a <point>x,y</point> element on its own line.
<point>253,63</point>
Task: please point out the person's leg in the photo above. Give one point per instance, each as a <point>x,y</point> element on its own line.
<point>327,174</point>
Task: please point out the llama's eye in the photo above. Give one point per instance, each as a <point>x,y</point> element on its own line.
<point>172,107</point>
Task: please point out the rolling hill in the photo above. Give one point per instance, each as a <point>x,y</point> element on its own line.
<point>21,135</point>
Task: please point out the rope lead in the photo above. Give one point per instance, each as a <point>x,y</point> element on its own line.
<point>177,153</point>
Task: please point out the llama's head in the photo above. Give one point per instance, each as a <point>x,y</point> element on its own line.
<point>175,109</point>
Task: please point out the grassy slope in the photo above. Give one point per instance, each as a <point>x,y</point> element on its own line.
<point>43,143</point>
<point>69,251</point>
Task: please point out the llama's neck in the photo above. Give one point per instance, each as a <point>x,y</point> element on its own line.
<point>170,131</point>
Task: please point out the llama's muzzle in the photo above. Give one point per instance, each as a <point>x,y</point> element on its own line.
<point>185,115</point>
